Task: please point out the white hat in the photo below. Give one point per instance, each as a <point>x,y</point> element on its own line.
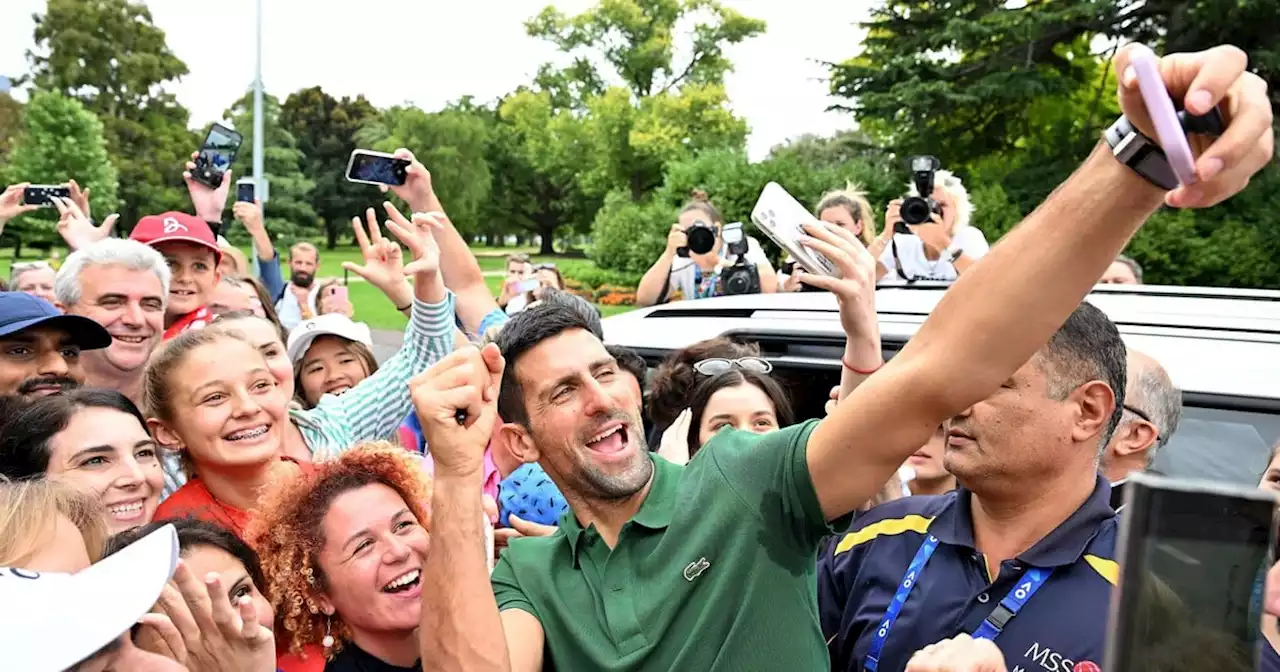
<point>53,621</point>
<point>329,324</point>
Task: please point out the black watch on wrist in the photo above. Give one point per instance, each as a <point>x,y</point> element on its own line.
<point>1144,155</point>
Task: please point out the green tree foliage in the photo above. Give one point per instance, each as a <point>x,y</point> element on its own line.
<point>325,129</point>
<point>662,110</point>
<point>451,144</point>
<point>110,56</point>
<point>1013,96</point>
<point>61,140</point>
<point>10,128</point>
<point>288,213</point>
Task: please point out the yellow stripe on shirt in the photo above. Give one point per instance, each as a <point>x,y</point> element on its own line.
<point>1107,569</point>
<point>891,526</point>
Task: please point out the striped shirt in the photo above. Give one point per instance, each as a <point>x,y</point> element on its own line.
<point>374,408</point>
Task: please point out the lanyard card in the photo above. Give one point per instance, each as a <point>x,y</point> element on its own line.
<point>1192,557</point>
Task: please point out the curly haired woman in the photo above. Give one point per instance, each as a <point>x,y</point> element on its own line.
<point>342,548</point>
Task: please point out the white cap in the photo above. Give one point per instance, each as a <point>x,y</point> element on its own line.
<point>54,621</point>
<point>329,324</point>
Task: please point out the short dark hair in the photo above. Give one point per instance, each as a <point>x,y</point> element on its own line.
<point>630,362</point>
<point>555,314</point>
<point>193,533</point>
<point>1087,347</point>
<point>24,440</point>
<point>709,385</point>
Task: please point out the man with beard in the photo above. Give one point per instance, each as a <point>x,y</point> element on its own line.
<point>298,302</point>
<point>40,347</point>
<point>710,566</point>
<point>122,285</point>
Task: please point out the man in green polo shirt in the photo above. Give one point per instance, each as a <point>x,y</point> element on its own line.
<point>711,566</point>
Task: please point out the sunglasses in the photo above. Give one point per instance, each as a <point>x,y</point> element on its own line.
<point>545,267</point>
<point>25,266</point>
<point>717,366</point>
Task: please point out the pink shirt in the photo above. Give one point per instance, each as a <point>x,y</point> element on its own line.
<point>491,476</point>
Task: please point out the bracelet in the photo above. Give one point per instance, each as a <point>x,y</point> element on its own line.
<point>407,306</point>
<point>858,371</point>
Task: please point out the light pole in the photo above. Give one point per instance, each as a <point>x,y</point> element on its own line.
<point>260,180</point>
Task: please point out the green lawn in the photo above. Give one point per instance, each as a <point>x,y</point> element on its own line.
<point>371,306</point>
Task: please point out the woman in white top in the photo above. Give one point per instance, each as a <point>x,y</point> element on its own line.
<point>937,251</point>
<point>686,270</point>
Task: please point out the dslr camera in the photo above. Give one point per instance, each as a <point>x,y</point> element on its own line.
<point>918,209</point>
<point>701,237</point>
<point>742,277</point>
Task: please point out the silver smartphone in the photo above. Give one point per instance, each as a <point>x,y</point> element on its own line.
<point>369,167</point>
<point>780,216</point>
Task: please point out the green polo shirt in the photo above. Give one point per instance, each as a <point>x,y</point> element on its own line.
<point>716,571</point>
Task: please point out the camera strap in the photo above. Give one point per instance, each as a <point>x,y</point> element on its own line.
<point>897,261</point>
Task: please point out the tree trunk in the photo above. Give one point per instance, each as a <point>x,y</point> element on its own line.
<point>17,248</point>
<point>547,234</point>
<point>637,189</point>
<point>331,236</point>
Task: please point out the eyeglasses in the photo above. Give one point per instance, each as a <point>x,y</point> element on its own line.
<point>1140,413</point>
<point>717,366</point>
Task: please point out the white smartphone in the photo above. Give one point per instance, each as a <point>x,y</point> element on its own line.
<point>527,285</point>
<point>780,216</point>
<point>368,167</point>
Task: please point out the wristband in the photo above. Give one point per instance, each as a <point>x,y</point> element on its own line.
<point>858,371</point>
<point>407,306</point>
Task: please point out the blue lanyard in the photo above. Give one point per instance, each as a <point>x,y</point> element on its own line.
<point>991,628</point>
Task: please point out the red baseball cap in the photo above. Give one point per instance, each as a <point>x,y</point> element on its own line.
<point>175,226</point>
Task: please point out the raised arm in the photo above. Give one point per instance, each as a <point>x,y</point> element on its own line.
<point>459,268</point>
<point>461,628</point>
<point>1000,312</point>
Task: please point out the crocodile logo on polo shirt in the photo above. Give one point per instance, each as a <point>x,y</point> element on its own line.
<point>695,569</point>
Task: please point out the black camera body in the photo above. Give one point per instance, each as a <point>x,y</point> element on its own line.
<point>742,277</point>
<point>701,237</point>
<point>919,209</point>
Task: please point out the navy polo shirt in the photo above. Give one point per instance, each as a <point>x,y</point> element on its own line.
<point>1064,623</point>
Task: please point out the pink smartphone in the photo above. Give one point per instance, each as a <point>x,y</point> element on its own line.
<point>338,291</point>
<point>1160,107</point>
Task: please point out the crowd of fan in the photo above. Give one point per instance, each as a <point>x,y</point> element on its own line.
<point>206,467</point>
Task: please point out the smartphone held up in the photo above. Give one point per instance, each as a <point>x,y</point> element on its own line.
<point>216,155</point>
<point>368,167</point>
<point>43,194</point>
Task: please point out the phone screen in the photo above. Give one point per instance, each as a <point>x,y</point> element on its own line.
<point>369,167</point>
<point>244,192</point>
<point>216,155</point>
<point>1192,563</point>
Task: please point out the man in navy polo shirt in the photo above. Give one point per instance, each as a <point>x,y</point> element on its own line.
<point>1023,552</point>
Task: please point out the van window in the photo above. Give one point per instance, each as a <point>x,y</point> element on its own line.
<point>1219,445</point>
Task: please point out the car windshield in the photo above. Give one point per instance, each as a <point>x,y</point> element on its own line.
<point>1219,445</point>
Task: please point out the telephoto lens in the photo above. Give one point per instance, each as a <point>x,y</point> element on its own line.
<point>702,238</point>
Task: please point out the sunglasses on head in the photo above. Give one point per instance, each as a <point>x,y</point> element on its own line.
<point>718,365</point>
<point>23,267</point>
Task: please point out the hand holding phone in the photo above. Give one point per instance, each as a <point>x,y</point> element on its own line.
<point>780,216</point>
<point>367,167</point>
<point>1173,140</point>
<point>41,195</point>
<point>216,156</point>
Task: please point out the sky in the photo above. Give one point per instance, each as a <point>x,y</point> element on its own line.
<point>429,52</point>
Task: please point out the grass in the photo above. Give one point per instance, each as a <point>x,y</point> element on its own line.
<point>371,306</point>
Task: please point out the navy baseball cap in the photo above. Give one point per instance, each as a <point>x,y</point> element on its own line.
<point>19,311</point>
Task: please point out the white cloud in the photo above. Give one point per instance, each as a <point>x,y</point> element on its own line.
<point>429,52</point>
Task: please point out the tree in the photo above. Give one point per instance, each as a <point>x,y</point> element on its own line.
<point>61,140</point>
<point>451,144</point>
<point>109,55</point>
<point>325,129</point>
<point>288,213</point>
<point>10,127</point>
<point>662,110</point>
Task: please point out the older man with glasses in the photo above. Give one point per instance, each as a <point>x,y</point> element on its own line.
<point>1152,408</point>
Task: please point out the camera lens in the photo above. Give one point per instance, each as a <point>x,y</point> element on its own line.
<point>914,210</point>
<point>701,239</point>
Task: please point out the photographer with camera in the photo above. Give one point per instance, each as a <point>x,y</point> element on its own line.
<point>706,257</point>
<point>928,237</point>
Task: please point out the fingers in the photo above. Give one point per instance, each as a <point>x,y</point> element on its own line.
<point>57,203</point>
<point>1247,143</point>
<point>178,613</point>
<point>403,153</point>
<point>167,641</point>
<point>530,529</point>
<point>196,597</point>
<point>395,214</point>
<point>502,536</point>
<point>375,232</point>
<point>362,239</point>
<point>841,258</point>
<point>223,615</point>
<point>821,282</point>
<point>109,223</point>
<point>1212,73</point>
<point>356,268</point>
<point>250,629</point>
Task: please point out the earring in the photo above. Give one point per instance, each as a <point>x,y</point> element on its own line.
<point>328,638</point>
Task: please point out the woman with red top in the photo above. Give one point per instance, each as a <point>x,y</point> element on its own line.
<point>212,399</point>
